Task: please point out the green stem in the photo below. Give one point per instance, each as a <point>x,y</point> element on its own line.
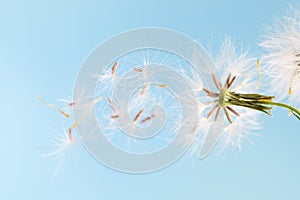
<point>295,111</point>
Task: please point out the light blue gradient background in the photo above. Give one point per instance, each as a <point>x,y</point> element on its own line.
<point>42,45</point>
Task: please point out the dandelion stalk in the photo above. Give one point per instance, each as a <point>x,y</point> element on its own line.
<point>294,111</point>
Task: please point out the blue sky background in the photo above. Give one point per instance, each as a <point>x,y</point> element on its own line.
<point>42,45</point>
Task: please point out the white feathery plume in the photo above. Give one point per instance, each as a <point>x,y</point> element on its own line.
<point>238,75</point>
<point>282,61</point>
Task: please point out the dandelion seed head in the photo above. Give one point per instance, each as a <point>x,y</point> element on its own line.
<point>282,59</point>
<point>238,74</point>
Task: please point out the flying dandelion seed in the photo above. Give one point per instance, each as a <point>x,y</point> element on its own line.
<point>54,106</point>
<point>65,148</point>
<point>138,115</point>
<point>138,70</point>
<point>147,119</point>
<point>114,68</point>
